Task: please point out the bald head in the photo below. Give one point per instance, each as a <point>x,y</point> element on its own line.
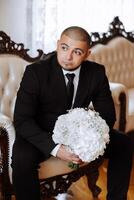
<point>77,33</point>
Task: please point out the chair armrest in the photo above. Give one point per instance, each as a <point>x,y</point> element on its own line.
<point>120,98</point>
<point>7,137</point>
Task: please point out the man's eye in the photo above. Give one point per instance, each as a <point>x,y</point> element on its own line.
<point>64,48</point>
<point>79,53</point>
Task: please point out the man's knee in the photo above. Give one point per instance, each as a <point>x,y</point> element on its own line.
<point>120,145</point>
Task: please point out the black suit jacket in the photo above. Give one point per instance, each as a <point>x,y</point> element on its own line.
<point>42,98</point>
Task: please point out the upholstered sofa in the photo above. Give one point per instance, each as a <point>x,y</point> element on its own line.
<point>13,60</point>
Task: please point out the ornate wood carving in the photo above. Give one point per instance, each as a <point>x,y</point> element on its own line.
<point>10,47</point>
<point>60,184</point>
<point>116,28</point>
<point>4,158</point>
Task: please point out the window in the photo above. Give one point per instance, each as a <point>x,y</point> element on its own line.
<point>50,17</point>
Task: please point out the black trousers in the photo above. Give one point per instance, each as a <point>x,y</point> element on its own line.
<point>26,158</point>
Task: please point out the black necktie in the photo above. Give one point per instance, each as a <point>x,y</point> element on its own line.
<point>70,90</point>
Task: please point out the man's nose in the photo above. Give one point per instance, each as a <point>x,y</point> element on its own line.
<point>69,55</point>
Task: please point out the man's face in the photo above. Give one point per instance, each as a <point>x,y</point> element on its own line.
<point>71,53</point>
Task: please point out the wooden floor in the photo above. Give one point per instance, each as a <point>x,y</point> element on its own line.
<point>81,191</point>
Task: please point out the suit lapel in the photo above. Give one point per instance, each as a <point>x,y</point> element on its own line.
<point>83,86</point>
<point>59,85</point>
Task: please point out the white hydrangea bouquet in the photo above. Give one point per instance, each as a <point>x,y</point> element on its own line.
<point>84,133</point>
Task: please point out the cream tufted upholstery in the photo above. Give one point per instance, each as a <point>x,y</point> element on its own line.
<point>11,71</point>
<point>118,57</point>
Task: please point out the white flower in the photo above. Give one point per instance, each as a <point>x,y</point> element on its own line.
<point>64,196</point>
<point>84,132</point>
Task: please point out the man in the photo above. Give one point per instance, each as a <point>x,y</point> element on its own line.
<point>43,96</point>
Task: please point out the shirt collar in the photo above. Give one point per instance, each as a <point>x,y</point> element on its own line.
<point>76,72</point>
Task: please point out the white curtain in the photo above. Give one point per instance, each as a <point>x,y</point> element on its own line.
<point>50,17</point>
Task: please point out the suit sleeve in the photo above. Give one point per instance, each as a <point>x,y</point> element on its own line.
<point>102,100</point>
<point>25,114</point>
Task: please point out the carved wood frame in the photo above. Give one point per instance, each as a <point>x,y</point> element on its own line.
<point>116,29</point>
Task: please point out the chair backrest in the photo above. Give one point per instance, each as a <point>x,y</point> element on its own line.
<point>115,50</point>
<point>13,60</point>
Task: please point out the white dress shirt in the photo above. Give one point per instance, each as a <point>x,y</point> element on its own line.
<point>75,82</point>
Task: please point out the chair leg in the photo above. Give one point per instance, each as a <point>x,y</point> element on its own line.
<point>92,179</point>
<point>92,176</point>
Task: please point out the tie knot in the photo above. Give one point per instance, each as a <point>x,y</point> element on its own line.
<point>70,77</point>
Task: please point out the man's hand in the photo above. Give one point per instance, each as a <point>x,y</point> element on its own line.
<point>63,154</point>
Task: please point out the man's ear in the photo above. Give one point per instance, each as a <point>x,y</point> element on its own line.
<point>88,53</point>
